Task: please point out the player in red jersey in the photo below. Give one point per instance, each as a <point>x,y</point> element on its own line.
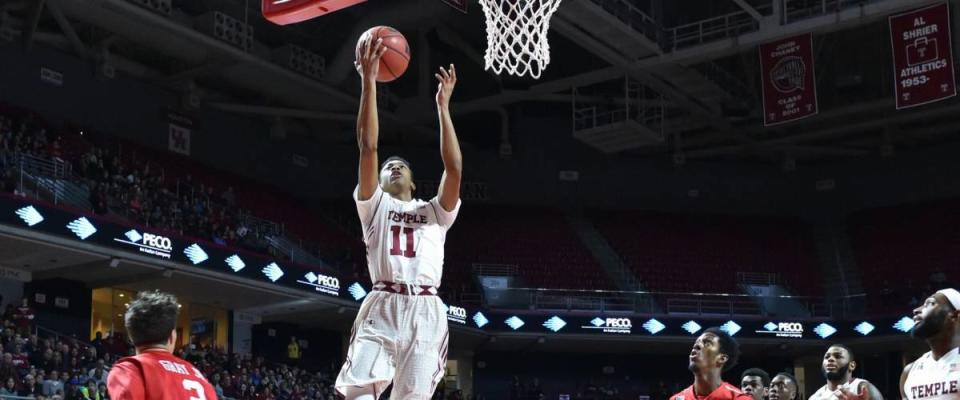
<point>155,373</point>
<point>713,353</point>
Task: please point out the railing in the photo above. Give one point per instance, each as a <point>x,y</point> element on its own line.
<point>640,103</point>
<point>568,300</point>
<point>720,27</point>
<point>713,306</point>
<point>260,226</point>
<point>726,80</point>
<point>48,179</point>
<point>295,252</point>
<point>710,29</point>
<point>473,299</point>
<point>496,269</point>
<point>631,16</point>
<point>795,10</point>
<point>758,278</point>
<point>645,302</point>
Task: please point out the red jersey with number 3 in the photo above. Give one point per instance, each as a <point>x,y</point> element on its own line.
<point>157,375</point>
<point>726,391</point>
<point>404,238</point>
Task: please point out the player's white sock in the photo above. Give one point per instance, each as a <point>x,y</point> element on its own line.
<point>360,393</point>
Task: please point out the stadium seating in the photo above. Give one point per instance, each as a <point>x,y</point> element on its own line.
<point>671,253</point>
<point>920,239</point>
<point>538,241</point>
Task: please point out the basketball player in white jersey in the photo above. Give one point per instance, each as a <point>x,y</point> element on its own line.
<point>936,374</point>
<point>400,334</point>
<point>837,367</point>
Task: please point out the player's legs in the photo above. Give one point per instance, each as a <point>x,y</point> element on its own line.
<point>422,354</point>
<point>371,357</point>
<point>360,393</point>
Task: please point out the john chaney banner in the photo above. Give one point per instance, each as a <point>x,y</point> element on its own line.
<point>789,89</point>
<point>922,56</point>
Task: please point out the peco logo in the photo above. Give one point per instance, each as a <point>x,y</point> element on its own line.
<point>783,329</point>
<point>157,241</point>
<point>619,323</point>
<point>322,283</point>
<point>790,327</point>
<point>160,246</point>
<point>457,314</point>
<point>328,281</point>
<point>611,325</point>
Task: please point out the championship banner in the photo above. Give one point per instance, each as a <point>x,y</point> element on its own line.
<point>179,130</point>
<point>789,89</point>
<point>922,56</point>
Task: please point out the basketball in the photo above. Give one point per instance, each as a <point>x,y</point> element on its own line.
<point>395,60</point>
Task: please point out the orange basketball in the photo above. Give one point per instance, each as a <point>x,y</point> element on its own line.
<point>397,57</point>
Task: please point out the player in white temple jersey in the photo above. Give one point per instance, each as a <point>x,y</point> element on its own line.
<point>837,367</point>
<point>400,334</point>
<point>936,374</point>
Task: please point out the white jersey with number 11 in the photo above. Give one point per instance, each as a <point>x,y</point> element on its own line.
<point>404,238</point>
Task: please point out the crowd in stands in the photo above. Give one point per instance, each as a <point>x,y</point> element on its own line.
<point>52,367</point>
<point>124,183</point>
<point>242,377</point>
<point>41,365</point>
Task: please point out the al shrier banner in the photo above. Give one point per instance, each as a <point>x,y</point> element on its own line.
<point>789,88</point>
<point>922,56</point>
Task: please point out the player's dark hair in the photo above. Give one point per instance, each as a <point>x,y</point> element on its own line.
<point>843,346</point>
<point>151,317</point>
<point>764,376</point>
<point>796,386</point>
<point>396,158</point>
<point>728,346</point>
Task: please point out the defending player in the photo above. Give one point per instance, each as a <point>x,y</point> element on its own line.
<point>837,367</point>
<point>936,374</point>
<point>400,334</point>
<point>714,353</point>
<point>784,386</point>
<point>155,373</point>
<point>755,382</point>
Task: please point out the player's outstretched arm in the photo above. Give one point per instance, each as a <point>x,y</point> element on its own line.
<point>368,125</point>
<point>449,191</point>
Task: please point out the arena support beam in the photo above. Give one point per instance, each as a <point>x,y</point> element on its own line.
<point>36,9</point>
<point>78,47</point>
<point>645,78</point>
<point>283,112</point>
<point>842,20</point>
<point>835,131</point>
<point>749,9</point>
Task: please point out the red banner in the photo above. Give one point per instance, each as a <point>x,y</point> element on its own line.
<point>922,56</point>
<point>789,89</point>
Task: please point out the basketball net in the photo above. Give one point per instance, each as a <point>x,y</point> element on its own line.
<point>517,35</point>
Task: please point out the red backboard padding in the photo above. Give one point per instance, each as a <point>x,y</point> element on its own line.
<point>285,12</point>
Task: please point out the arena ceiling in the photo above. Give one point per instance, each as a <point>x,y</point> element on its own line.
<point>697,60</point>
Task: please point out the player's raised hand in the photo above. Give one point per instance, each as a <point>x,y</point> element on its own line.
<point>448,80</point>
<point>368,59</point>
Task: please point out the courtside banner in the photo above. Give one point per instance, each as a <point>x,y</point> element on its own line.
<point>789,89</point>
<point>922,56</point>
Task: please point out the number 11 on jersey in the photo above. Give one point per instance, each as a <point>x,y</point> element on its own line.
<point>395,250</point>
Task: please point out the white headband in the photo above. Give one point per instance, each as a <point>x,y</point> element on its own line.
<point>953,296</point>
